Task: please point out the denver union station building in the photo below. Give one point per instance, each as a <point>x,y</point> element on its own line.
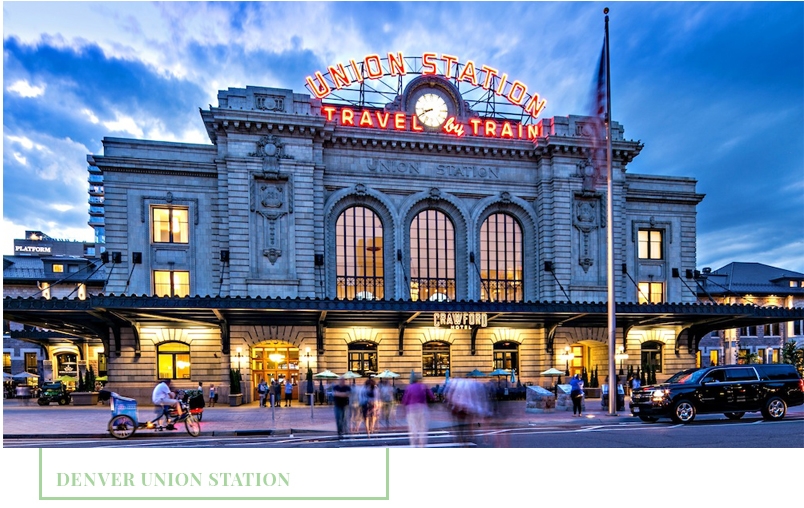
<point>402,213</point>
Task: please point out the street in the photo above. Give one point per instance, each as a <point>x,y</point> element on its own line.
<point>707,432</point>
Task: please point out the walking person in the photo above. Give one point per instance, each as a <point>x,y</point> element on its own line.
<point>277,393</point>
<point>576,393</point>
<point>288,392</point>
<point>415,400</point>
<point>213,396</point>
<point>368,405</point>
<point>386,402</point>
<point>341,394</point>
<point>262,390</point>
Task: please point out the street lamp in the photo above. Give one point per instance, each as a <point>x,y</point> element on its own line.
<point>567,357</point>
<point>307,355</point>
<point>620,357</point>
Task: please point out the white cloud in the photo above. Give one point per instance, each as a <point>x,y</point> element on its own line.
<point>25,89</point>
<point>90,115</point>
<point>123,123</point>
<point>20,158</point>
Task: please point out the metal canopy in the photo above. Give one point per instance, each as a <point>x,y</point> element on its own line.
<point>95,316</point>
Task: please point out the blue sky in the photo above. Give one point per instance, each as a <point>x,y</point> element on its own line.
<point>715,91</point>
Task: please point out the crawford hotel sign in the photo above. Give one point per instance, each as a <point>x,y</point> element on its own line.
<point>432,101</point>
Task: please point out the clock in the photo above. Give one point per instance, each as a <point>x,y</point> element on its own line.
<point>431,109</point>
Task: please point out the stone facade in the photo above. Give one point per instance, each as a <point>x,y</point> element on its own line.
<point>264,197</point>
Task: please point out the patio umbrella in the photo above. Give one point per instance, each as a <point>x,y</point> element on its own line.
<point>387,374</point>
<point>327,374</point>
<point>351,375</point>
<point>24,376</point>
<point>553,372</point>
<point>500,372</point>
<point>102,379</point>
<point>476,373</point>
<point>67,379</point>
<point>6,376</point>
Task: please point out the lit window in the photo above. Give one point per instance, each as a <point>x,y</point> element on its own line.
<point>651,292</point>
<point>435,359</point>
<point>170,225</point>
<point>171,283</point>
<point>714,357</point>
<point>30,363</point>
<point>506,355</point>
<point>650,244</point>
<point>501,259</point>
<point>363,358</point>
<point>173,360</point>
<point>7,363</point>
<point>58,268</point>
<point>651,355</point>
<point>359,255</point>
<point>432,257</point>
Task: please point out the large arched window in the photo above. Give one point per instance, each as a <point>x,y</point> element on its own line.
<point>432,257</point>
<point>359,254</point>
<point>501,259</point>
<point>173,360</point>
<point>363,358</point>
<point>435,359</point>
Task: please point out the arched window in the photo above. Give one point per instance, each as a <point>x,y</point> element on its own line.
<point>363,358</point>
<point>506,355</point>
<point>359,255</point>
<point>173,360</point>
<point>435,359</point>
<point>432,257</point>
<point>501,259</point>
<point>67,364</point>
<point>652,355</point>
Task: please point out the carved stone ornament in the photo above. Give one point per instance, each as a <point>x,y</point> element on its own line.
<point>586,218</point>
<point>360,190</point>
<point>505,197</point>
<point>435,193</point>
<point>271,147</point>
<point>272,254</point>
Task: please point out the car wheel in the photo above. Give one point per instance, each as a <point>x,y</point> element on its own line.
<point>734,416</point>
<point>683,411</point>
<point>649,419</point>
<point>775,409</point>
<point>42,402</point>
<point>64,401</point>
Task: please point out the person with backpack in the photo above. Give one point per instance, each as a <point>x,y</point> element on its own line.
<point>262,389</point>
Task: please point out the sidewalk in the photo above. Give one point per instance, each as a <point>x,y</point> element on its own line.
<point>21,420</point>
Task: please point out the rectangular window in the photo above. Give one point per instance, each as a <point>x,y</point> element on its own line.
<point>58,268</point>
<point>651,292</point>
<point>748,331</point>
<point>30,363</point>
<point>774,356</point>
<point>173,361</point>
<point>650,245</point>
<point>771,330</point>
<point>171,283</point>
<point>170,225</point>
<point>798,327</point>
<point>713,357</point>
<point>102,364</point>
<point>761,355</point>
<point>7,363</point>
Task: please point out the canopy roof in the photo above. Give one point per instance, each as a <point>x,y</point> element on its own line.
<point>96,316</point>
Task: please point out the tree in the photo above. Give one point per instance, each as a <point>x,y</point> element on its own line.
<point>793,355</point>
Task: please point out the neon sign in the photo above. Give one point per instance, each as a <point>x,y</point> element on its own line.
<point>398,121</point>
<point>374,67</point>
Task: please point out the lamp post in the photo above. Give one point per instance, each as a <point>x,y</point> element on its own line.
<point>620,357</point>
<point>567,357</point>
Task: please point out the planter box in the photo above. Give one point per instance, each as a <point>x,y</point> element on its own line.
<point>591,393</point>
<point>85,398</point>
<point>235,399</point>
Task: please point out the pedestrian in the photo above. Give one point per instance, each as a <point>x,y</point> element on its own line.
<point>368,405</point>
<point>288,392</point>
<point>635,384</point>
<point>213,396</point>
<point>415,400</point>
<point>386,402</point>
<point>262,389</point>
<point>277,395</point>
<point>576,393</point>
<point>341,394</point>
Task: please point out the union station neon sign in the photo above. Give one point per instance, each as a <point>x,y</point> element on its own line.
<point>373,66</point>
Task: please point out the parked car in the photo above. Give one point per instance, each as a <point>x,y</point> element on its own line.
<point>54,392</point>
<point>730,389</point>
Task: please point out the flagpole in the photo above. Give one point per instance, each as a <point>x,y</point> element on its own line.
<point>612,320</point>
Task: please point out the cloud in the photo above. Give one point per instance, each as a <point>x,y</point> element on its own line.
<point>25,89</point>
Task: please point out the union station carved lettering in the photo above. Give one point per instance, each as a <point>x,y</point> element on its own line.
<point>399,167</point>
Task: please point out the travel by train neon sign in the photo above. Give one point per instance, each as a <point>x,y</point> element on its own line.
<point>342,76</point>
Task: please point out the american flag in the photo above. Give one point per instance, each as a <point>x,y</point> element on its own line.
<point>597,122</point>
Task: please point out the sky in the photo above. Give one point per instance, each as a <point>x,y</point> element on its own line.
<point>715,91</point>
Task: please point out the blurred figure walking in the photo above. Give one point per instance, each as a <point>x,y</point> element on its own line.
<point>415,400</point>
<point>386,402</point>
<point>341,393</point>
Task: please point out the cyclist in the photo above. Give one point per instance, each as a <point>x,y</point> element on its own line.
<point>163,396</point>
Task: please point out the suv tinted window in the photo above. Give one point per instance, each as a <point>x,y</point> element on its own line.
<point>715,376</point>
<point>777,372</point>
<point>741,374</point>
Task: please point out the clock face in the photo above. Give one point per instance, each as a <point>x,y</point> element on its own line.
<point>431,109</point>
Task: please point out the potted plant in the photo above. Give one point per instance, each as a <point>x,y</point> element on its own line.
<point>86,394</point>
<point>235,392</point>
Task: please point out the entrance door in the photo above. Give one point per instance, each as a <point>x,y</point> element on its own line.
<point>275,361</point>
<point>577,362</point>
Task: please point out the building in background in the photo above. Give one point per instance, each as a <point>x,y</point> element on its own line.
<point>44,267</point>
<point>751,284</point>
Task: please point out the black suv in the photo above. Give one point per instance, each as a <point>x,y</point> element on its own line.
<point>730,389</point>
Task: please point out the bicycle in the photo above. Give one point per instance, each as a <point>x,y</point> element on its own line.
<point>124,422</point>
